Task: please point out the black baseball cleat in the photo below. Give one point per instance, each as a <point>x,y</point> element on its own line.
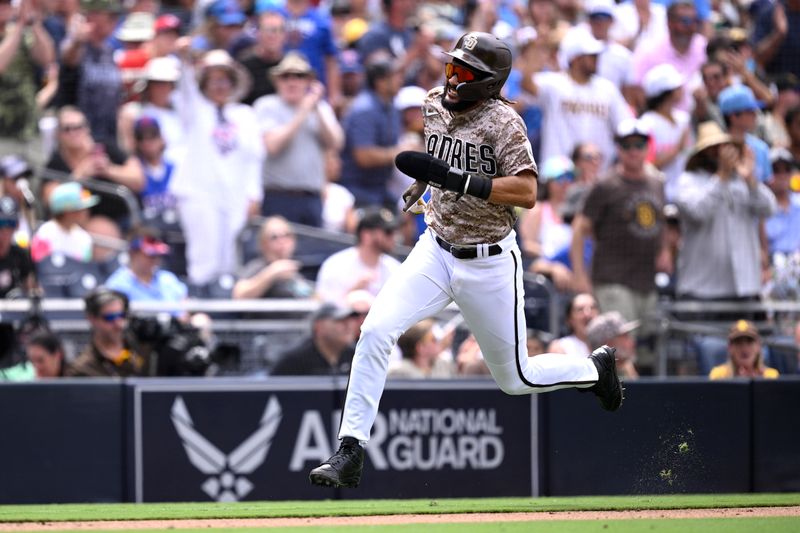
<point>343,469</point>
<point>608,388</point>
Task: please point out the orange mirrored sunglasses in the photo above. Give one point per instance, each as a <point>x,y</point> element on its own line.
<point>463,74</point>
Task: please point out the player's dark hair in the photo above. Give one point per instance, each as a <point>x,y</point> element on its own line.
<point>504,99</point>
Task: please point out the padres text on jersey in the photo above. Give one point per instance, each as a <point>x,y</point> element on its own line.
<point>491,140</point>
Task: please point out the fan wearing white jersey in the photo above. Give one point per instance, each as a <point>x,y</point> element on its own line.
<point>480,166</point>
<point>577,104</point>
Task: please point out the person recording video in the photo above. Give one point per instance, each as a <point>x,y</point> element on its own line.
<point>112,349</point>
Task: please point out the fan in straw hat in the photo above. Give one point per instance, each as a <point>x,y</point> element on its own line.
<point>237,75</point>
<point>292,63</point>
<point>709,135</point>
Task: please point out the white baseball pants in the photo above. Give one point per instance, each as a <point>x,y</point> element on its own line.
<point>489,293</point>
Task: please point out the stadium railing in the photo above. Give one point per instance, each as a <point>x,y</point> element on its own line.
<point>261,328</point>
<point>105,187</point>
<point>681,320</point>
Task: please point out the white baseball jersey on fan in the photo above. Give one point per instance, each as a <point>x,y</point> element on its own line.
<point>347,265</point>
<point>615,62</point>
<point>491,140</point>
<point>575,113</point>
<point>666,135</point>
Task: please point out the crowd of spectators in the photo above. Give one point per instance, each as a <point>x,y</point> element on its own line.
<point>144,136</point>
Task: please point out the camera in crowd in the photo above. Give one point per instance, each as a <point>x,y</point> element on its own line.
<point>173,347</point>
<point>179,349</point>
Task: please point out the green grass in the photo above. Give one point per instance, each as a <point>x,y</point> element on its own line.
<point>703,525</point>
<point>154,511</point>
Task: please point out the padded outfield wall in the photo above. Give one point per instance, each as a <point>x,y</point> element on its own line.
<point>234,439</point>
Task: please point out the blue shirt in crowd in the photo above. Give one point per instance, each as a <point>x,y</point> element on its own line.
<point>531,114</point>
<point>312,35</point>
<point>381,36</point>
<point>156,195</point>
<point>760,149</point>
<point>164,287</point>
<point>783,230</point>
<point>369,122</point>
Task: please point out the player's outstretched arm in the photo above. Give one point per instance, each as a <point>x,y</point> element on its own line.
<point>437,173</point>
<point>519,190</point>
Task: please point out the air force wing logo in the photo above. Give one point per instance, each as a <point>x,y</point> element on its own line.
<point>226,482</point>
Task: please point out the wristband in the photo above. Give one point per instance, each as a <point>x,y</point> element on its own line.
<point>478,186</point>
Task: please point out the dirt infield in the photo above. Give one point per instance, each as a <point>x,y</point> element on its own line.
<point>400,519</point>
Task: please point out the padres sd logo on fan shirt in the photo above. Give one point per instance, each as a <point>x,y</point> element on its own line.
<point>641,211</point>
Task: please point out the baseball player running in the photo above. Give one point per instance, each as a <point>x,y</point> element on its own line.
<point>480,166</point>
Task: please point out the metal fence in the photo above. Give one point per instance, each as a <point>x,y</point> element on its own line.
<point>108,188</point>
<point>262,329</point>
<point>680,322</point>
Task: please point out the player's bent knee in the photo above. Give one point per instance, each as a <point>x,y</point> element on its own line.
<point>514,388</point>
<point>375,339</point>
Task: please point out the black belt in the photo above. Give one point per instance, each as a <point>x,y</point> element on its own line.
<point>467,251</point>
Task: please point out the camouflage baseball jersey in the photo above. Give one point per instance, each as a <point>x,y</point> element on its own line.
<point>490,140</point>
